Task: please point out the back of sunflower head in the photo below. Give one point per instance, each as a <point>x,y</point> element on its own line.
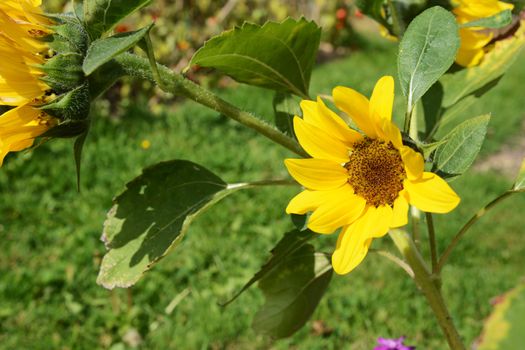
<point>45,89</point>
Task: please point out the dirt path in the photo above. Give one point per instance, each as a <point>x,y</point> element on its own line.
<point>507,160</point>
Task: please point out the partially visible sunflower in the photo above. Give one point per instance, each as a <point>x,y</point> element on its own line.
<point>362,182</point>
<point>22,52</point>
<point>475,39</point>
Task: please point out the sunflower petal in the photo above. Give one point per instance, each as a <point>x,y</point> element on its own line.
<point>318,143</point>
<point>306,201</point>
<point>382,99</point>
<point>400,211</point>
<point>341,209</point>
<point>356,106</point>
<point>379,220</point>
<point>431,194</point>
<point>414,163</point>
<point>317,174</point>
<point>352,247</point>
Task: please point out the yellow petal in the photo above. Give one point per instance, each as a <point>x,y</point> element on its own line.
<point>400,211</point>
<point>390,132</point>
<point>319,115</point>
<point>379,220</point>
<point>352,247</point>
<point>356,106</point>
<point>469,58</point>
<point>334,125</point>
<point>318,143</point>
<point>414,162</point>
<point>431,194</point>
<point>307,201</point>
<point>341,209</point>
<point>382,99</point>
<point>317,174</point>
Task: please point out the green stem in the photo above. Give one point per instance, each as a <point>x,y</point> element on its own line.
<point>432,242</point>
<point>424,280</point>
<point>177,84</point>
<point>416,220</point>
<point>469,224</point>
<point>262,183</point>
<point>399,262</point>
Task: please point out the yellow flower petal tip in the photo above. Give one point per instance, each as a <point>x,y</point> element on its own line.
<point>360,181</point>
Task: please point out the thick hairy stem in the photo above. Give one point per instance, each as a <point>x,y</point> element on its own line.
<point>424,280</point>
<point>177,84</point>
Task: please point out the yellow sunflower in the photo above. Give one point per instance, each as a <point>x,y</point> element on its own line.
<point>475,39</point>
<point>22,51</point>
<point>362,182</point>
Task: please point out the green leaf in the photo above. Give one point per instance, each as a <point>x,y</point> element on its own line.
<point>494,64</point>
<point>103,50</point>
<point>499,20</point>
<point>454,115</point>
<point>77,151</point>
<point>432,107</point>
<point>426,51</point>
<point>278,56</point>
<point>463,145</point>
<point>291,242</point>
<point>503,329</point>
<point>151,217</point>
<point>292,290</point>
<point>285,107</point>
<point>519,185</point>
<point>100,16</point>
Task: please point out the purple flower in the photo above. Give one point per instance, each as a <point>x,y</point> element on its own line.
<point>392,344</point>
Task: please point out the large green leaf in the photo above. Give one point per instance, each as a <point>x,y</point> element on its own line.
<point>103,50</point>
<point>426,51</point>
<point>463,144</point>
<point>152,215</point>
<point>101,16</point>
<point>503,329</point>
<point>498,20</point>
<point>495,63</point>
<point>278,56</point>
<point>292,288</point>
<point>291,242</point>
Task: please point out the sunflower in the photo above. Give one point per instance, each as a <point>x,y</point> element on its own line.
<point>22,52</point>
<point>362,182</point>
<point>475,39</point>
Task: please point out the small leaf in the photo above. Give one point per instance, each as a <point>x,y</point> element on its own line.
<point>519,185</point>
<point>77,150</point>
<point>151,217</point>
<point>499,20</point>
<point>103,50</point>
<point>100,16</point>
<point>463,145</point>
<point>292,290</point>
<point>494,64</point>
<point>278,56</point>
<point>426,51</point>
<point>285,107</point>
<point>287,245</point>
<point>503,329</point>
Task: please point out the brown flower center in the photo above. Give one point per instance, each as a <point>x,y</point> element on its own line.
<point>376,171</point>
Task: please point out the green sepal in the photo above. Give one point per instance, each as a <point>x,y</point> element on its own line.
<point>72,106</point>
<point>68,35</point>
<point>63,72</point>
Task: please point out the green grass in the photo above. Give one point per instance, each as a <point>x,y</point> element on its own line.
<point>51,249</point>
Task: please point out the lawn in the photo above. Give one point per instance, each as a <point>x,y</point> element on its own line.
<point>51,249</point>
